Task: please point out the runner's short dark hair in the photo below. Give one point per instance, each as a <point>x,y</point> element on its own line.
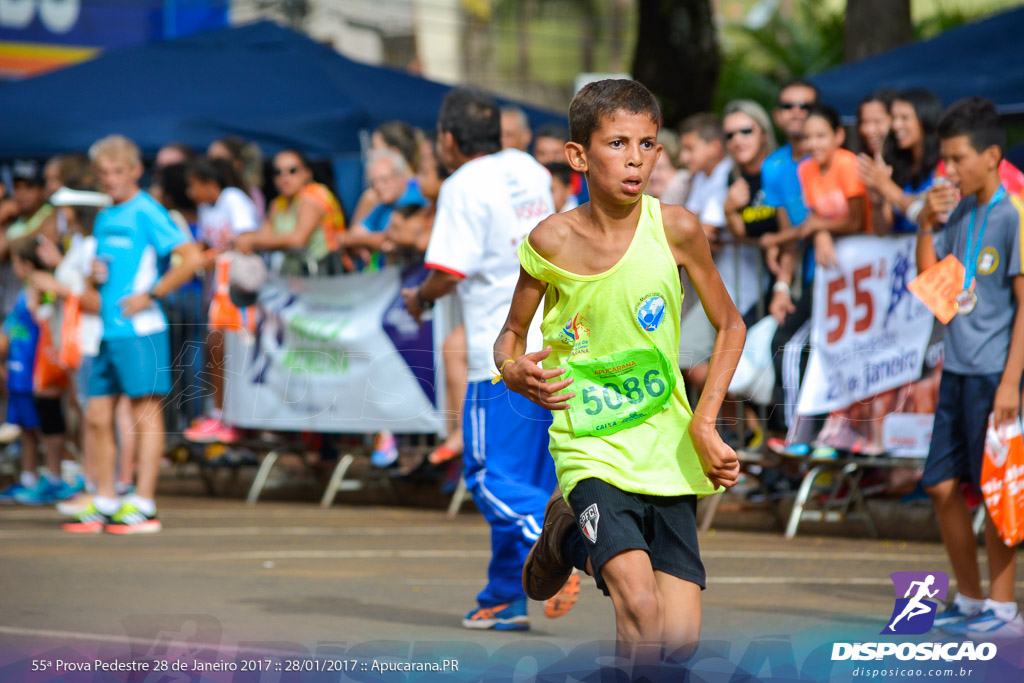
<point>601,99</point>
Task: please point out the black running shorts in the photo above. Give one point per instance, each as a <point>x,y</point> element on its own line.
<point>613,521</point>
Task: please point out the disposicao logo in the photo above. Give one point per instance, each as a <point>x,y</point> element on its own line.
<point>917,598</point>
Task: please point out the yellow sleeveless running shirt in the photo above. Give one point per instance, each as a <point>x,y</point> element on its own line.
<point>618,332</point>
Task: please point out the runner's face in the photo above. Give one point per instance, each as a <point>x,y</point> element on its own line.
<point>821,140</point>
<point>622,153</point>
<point>905,126</point>
<point>747,142</point>
<point>118,178</point>
<point>965,166</point>
<point>873,126</point>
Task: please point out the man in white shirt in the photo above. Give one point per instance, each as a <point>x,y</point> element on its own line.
<point>487,207</point>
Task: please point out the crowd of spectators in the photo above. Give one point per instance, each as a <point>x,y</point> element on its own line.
<point>771,214</point>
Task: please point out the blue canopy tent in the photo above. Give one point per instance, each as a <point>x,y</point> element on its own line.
<point>263,82</point>
<point>983,58</point>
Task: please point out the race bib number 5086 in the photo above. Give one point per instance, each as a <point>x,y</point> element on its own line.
<point>619,391</point>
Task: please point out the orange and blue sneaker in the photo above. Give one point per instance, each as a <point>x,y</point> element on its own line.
<point>131,520</point>
<point>385,450</point>
<point>88,521</point>
<point>562,601</point>
<point>510,616</point>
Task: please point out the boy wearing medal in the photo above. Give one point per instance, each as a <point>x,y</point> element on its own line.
<point>984,358</point>
<point>631,456</point>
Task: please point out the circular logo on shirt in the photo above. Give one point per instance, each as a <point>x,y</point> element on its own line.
<point>988,261</point>
<point>650,313</point>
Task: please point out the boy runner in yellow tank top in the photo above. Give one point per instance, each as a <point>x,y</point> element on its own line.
<point>631,456</point>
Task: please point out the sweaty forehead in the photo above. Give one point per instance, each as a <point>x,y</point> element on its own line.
<point>622,121</point>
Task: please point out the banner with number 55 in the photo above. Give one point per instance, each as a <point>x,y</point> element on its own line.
<point>868,332</point>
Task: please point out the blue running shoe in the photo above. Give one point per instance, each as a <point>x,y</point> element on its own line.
<point>43,493</point>
<point>8,495</point>
<point>951,617</point>
<point>987,626</point>
<point>66,490</point>
<point>508,617</point>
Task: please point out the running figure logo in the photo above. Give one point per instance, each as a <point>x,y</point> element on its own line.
<point>914,612</point>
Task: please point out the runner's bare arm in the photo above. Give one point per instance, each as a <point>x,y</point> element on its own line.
<point>523,375</point>
<point>692,252</point>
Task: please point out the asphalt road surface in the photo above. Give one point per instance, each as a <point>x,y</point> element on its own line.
<point>360,582</point>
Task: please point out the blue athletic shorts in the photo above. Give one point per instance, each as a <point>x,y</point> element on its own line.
<point>21,410</point>
<point>958,435</point>
<point>136,367</point>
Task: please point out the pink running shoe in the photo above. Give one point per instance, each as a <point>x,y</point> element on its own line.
<point>229,434</point>
<point>205,430</point>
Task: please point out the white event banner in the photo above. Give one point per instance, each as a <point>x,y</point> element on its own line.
<point>868,332</point>
<point>335,355</point>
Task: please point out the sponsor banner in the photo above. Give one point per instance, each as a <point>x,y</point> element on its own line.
<point>335,354</point>
<point>869,335</point>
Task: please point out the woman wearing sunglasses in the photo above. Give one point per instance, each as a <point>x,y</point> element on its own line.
<point>749,140</point>
<point>305,220</point>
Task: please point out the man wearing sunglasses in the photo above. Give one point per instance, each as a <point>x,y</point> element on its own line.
<point>782,191</point>
<point>778,175</point>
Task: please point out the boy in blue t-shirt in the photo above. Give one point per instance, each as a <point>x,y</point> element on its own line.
<point>21,334</point>
<point>33,408</point>
<point>984,359</point>
<point>134,356</point>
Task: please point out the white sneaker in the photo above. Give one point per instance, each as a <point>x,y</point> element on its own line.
<point>74,506</point>
<point>987,626</point>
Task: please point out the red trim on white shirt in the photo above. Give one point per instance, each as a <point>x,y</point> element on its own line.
<point>450,271</point>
